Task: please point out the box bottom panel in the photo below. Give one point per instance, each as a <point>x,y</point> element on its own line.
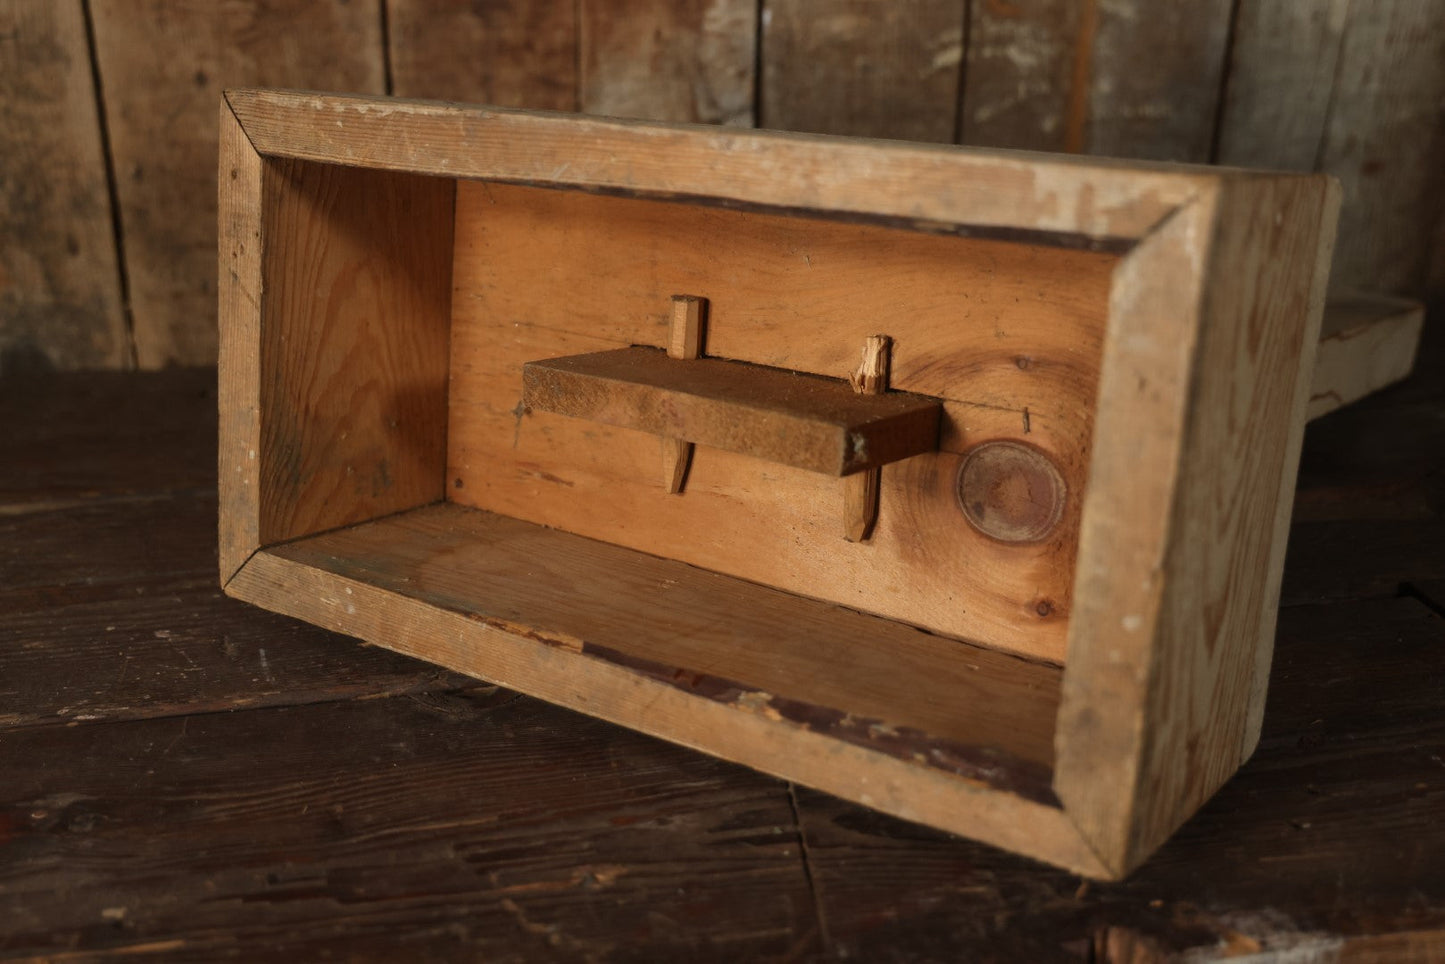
<point>923,726</point>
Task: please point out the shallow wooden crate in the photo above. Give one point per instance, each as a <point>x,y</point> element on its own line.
<point>1057,636</point>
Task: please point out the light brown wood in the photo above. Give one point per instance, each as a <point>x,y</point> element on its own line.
<point>736,670</point>
<point>861,68</point>
<point>1161,695</point>
<point>60,286</point>
<point>239,178</point>
<point>921,185</point>
<point>162,65</point>
<point>994,329</point>
<point>669,60</point>
<point>860,492</point>
<point>513,53</point>
<point>1163,372</point>
<point>804,421</point>
<point>686,342</point>
<point>353,351</point>
<point>1366,343</point>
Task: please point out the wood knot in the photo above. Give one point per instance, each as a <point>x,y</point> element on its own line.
<point>1011,492</point>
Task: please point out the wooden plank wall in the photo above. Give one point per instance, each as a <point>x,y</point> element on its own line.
<point>107,200</point>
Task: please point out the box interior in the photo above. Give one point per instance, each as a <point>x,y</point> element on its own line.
<point>400,309</point>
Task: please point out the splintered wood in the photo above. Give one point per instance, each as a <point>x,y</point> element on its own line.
<point>860,492</point>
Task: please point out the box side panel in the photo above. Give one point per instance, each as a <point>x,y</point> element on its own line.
<point>1263,302</point>
<point>1193,694</point>
<point>353,345</point>
<point>1008,334</point>
<point>239,286</point>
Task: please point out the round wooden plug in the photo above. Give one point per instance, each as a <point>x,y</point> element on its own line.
<point>1010,492</point>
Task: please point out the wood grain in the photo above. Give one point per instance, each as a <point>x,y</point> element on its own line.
<point>983,192</point>
<point>423,825</point>
<point>163,64</point>
<point>1281,81</point>
<point>60,286</point>
<point>808,422</point>
<point>1202,620</point>
<point>1390,83</point>
<point>669,60</point>
<point>870,70</point>
<point>787,293</point>
<point>1020,81</point>
<point>513,53</point>
<point>353,347</point>
<point>1155,75</point>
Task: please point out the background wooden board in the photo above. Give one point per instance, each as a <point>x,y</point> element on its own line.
<point>512,53</point>
<point>1349,89</point>
<point>853,67</point>
<point>163,65</point>
<point>60,289</point>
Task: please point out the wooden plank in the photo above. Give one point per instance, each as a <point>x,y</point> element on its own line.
<point>1202,629</point>
<point>1281,81</point>
<point>1155,75</point>
<point>160,647</point>
<point>353,349</point>
<point>667,60</point>
<point>423,569</point>
<point>805,421</point>
<point>1361,559</point>
<point>920,186</point>
<point>1389,85</point>
<point>852,67</point>
<point>163,65</point>
<point>1366,343</point>
<point>993,328</point>
<point>1022,74</point>
<point>512,53</point>
<point>60,293</point>
<point>432,825</point>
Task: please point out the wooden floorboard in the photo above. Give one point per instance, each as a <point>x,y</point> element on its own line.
<point>186,777</point>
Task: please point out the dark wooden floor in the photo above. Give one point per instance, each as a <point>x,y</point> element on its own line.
<point>185,776</point>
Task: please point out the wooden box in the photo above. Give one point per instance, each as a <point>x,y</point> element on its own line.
<point>1051,630</point>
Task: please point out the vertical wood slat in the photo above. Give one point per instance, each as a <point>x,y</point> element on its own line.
<point>511,53</point>
<point>1129,78</point>
<point>1385,141</point>
<point>692,61</point>
<point>860,68</point>
<point>1282,74</point>
<point>163,64</point>
<point>60,295</point>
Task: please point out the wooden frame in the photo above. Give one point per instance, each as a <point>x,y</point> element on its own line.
<point>336,505</point>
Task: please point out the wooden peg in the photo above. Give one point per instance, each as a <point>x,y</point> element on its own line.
<point>688,319</point>
<point>860,491</point>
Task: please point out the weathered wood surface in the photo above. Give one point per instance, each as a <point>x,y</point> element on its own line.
<point>60,285</point>
<point>511,53</point>
<point>859,68</point>
<point>468,822</point>
<point>163,65</point>
<point>669,60</point>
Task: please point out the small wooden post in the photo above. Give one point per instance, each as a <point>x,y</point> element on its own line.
<point>860,491</point>
<point>688,319</point>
